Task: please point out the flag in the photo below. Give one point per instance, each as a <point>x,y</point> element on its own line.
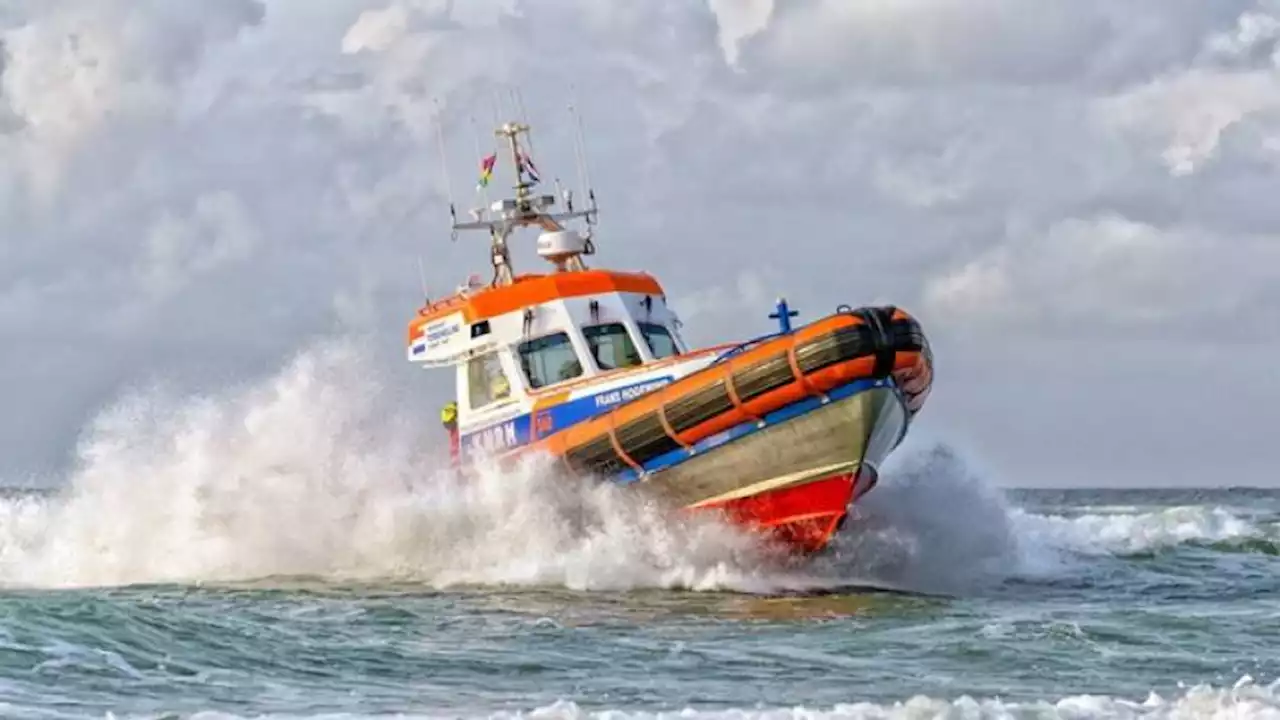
<point>526,165</point>
<point>486,170</point>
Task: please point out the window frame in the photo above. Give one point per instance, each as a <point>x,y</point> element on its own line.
<point>482,360</point>
<point>521,359</point>
<point>666,332</point>
<point>626,333</point>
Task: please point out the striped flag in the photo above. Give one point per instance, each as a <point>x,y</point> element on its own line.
<point>526,165</point>
<point>486,170</point>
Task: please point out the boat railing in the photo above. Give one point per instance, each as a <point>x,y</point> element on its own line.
<point>745,346</point>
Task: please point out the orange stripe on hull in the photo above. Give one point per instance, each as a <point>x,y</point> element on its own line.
<point>795,390</point>
<point>907,364</point>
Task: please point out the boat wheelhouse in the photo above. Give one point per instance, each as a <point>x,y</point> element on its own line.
<point>535,353</point>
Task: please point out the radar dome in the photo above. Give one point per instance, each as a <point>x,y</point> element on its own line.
<point>559,246</point>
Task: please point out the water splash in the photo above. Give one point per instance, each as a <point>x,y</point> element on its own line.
<point>308,474</point>
<point>935,525</point>
<point>319,472</point>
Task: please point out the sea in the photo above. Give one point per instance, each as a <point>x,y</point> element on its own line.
<point>285,552</point>
<point>527,596</point>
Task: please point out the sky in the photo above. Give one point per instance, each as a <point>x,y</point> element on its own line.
<point>1077,198</point>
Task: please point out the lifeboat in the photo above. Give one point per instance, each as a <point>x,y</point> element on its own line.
<point>780,433</point>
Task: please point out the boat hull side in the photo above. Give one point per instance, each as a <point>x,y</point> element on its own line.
<point>831,439</point>
<point>795,481</point>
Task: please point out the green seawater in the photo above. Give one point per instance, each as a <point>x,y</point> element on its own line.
<point>1084,603</point>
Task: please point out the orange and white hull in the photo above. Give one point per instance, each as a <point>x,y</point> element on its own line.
<point>783,437</point>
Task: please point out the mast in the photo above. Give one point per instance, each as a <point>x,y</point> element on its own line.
<point>558,244</point>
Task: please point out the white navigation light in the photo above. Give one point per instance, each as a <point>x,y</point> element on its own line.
<point>559,246</point>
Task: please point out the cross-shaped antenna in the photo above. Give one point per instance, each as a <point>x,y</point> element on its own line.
<point>783,315</point>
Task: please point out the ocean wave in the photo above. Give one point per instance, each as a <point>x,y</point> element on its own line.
<point>1134,533</point>
<point>936,524</point>
<point>1246,700</point>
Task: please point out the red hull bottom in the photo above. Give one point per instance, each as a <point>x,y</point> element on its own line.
<point>802,517</point>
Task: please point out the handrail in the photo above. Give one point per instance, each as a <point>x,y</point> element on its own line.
<point>744,346</point>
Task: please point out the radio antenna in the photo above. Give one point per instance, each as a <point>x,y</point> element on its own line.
<point>444,173</point>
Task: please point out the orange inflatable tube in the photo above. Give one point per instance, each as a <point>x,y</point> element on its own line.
<point>761,378</point>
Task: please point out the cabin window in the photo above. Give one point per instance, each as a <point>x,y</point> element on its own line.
<point>660,342</point>
<point>486,380</point>
<point>549,360</point>
<point>611,346</point>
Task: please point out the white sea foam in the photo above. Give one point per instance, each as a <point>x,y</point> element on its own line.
<point>309,474</point>
<point>1138,532</point>
<point>317,471</point>
<point>935,524</point>
<point>1246,700</point>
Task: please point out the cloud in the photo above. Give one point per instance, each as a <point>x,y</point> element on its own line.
<point>1112,274</point>
<point>815,45</point>
<point>1233,85</point>
<point>88,67</point>
<point>739,20</point>
<point>713,304</point>
<point>217,232</point>
<point>194,190</point>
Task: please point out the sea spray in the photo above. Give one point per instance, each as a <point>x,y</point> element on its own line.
<point>933,524</point>
<point>322,471</point>
<point>314,472</point>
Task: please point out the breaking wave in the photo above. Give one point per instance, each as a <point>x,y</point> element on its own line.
<point>309,474</point>
<point>1246,700</point>
<point>936,525</point>
<point>1135,533</point>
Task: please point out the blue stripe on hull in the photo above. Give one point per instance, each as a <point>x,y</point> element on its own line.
<point>518,431</point>
<point>515,433</point>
